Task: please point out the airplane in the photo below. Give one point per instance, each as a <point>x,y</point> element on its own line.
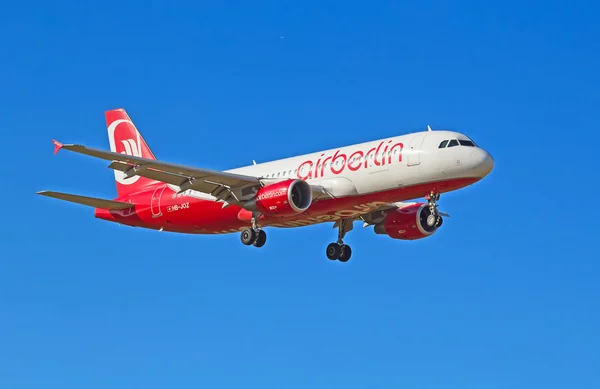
<point>370,182</point>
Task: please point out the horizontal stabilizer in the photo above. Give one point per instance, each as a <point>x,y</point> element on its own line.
<point>90,201</point>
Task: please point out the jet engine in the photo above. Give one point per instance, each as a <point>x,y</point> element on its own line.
<point>284,198</point>
<point>409,223</point>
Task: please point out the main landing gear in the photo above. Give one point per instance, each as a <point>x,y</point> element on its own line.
<point>339,250</point>
<point>254,236</point>
<point>434,218</point>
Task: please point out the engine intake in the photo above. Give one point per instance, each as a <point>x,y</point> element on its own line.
<point>407,223</point>
<point>284,198</point>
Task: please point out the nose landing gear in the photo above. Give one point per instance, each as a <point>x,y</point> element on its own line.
<point>338,250</point>
<point>434,218</point>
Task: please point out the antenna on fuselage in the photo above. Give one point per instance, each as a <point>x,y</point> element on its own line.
<point>254,162</point>
<point>428,128</point>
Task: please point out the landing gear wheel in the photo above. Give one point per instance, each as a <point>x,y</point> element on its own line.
<point>333,251</point>
<point>345,254</point>
<point>248,236</point>
<point>339,250</point>
<point>261,239</point>
<point>431,220</point>
<point>439,222</point>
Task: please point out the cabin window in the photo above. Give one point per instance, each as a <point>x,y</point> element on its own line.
<point>453,143</point>
<point>443,144</point>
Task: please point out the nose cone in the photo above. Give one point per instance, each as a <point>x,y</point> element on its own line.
<point>482,163</point>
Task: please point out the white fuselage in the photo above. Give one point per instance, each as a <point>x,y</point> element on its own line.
<point>381,165</point>
<point>376,166</point>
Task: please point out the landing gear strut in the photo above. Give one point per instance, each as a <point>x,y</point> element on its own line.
<point>338,250</point>
<point>434,218</point>
<point>254,236</point>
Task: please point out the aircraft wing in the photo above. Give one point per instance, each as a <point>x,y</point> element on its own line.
<point>216,183</point>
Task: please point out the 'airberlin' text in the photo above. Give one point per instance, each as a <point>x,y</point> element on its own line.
<point>338,162</point>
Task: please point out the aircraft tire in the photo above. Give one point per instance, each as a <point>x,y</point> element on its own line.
<point>346,253</point>
<point>261,239</point>
<point>248,236</point>
<point>333,251</point>
<point>431,220</point>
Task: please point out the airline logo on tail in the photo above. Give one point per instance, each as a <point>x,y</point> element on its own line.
<point>128,146</point>
<point>131,148</point>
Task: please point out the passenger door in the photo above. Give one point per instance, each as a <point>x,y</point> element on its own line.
<point>414,154</point>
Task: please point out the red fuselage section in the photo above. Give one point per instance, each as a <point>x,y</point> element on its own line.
<point>161,208</point>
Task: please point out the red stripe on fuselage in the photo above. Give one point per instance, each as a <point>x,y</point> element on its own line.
<point>186,214</point>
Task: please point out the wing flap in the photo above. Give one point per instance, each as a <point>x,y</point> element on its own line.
<point>89,201</point>
<point>169,178</point>
<point>199,174</point>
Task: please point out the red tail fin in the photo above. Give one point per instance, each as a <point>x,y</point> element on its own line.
<point>124,138</point>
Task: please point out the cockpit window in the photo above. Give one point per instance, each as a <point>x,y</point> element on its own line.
<point>456,142</point>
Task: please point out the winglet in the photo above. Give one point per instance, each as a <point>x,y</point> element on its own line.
<point>57,146</point>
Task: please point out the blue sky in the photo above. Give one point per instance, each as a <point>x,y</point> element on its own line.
<point>505,295</point>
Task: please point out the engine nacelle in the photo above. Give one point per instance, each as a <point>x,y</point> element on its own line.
<point>284,198</point>
<point>407,223</point>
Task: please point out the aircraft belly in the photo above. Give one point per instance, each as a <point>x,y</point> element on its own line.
<point>186,214</point>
